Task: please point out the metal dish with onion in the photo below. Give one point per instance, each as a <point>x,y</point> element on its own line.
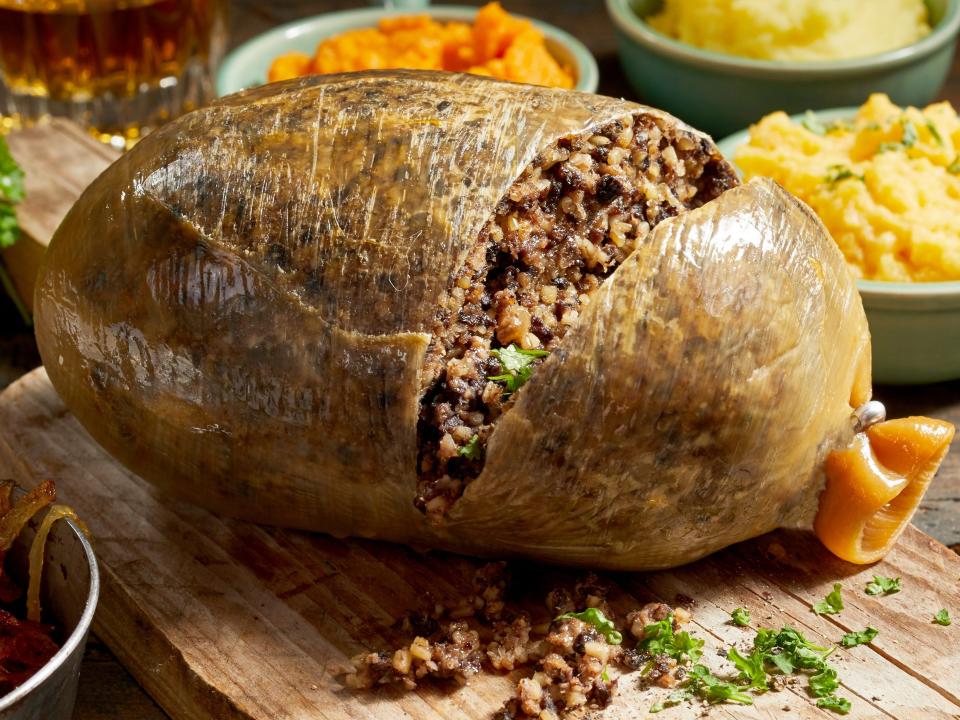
<point>69,590</point>
<point>247,65</point>
<point>915,327</point>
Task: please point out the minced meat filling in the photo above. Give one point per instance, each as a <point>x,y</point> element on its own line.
<point>571,218</point>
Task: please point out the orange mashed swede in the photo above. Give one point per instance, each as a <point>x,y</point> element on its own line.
<point>497,44</point>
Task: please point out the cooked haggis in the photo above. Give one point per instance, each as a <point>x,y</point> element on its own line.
<point>473,315</point>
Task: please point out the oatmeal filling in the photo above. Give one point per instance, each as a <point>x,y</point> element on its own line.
<point>572,217</point>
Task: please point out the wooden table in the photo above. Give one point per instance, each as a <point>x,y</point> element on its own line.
<point>108,692</point>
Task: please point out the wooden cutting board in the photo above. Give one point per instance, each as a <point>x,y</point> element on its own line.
<point>223,620</point>
<point>59,161</point>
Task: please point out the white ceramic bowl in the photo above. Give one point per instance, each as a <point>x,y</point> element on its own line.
<point>247,65</point>
<point>914,327</point>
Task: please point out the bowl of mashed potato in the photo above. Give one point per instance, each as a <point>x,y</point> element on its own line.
<point>720,64</point>
<point>885,181</point>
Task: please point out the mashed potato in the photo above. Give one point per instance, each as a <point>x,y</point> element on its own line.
<point>886,184</point>
<point>794,29</point>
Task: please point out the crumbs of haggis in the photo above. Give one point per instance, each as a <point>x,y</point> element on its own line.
<point>567,660</point>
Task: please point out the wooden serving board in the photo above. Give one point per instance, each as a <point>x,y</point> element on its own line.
<point>59,161</point>
<point>224,620</point>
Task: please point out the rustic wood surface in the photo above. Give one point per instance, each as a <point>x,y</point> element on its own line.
<point>108,691</point>
<point>224,620</point>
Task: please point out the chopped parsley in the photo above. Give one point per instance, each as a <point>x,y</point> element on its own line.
<point>516,364</point>
<point>954,167</point>
<point>942,617</point>
<point>472,450</point>
<point>815,125</point>
<point>932,127</point>
<point>751,668</point>
<point>859,637</point>
<point>660,639</point>
<point>11,193</point>
<point>595,617</point>
<point>908,138</point>
<point>836,173</point>
<point>674,698</point>
<point>837,704</point>
<point>713,689</point>
<point>812,123</point>
<point>741,617</point>
<point>831,604</point>
<point>889,147</point>
<point>883,586</point>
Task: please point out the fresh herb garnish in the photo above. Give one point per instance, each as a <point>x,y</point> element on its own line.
<point>741,617</point>
<point>954,167</point>
<point>674,698</point>
<point>595,617</point>
<point>859,637</point>
<point>11,193</point>
<point>516,364</point>
<point>824,682</point>
<point>812,123</point>
<point>836,173</point>
<point>713,689</point>
<point>471,451</point>
<point>932,127</point>
<point>889,147</point>
<point>883,586</point>
<point>942,617</point>
<point>660,639</point>
<point>831,604</point>
<point>837,704</point>
<point>908,136</point>
<point>751,668</point>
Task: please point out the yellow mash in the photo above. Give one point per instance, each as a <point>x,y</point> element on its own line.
<point>886,184</point>
<point>794,29</point>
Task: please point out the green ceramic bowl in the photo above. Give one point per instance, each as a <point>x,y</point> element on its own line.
<point>915,327</point>
<point>247,65</point>
<point>722,93</point>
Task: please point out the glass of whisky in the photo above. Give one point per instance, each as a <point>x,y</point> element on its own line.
<point>116,67</point>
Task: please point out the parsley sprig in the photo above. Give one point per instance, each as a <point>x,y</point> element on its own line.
<point>942,617</point>
<point>740,616</point>
<point>517,366</point>
<point>472,450</point>
<point>660,639</point>
<point>859,637</point>
<point>11,193</point>
<point>595,617</point>
<point>831,604</point>
<point>883,586</point>
<point>837,173</point>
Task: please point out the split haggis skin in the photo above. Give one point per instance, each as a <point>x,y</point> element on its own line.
<point>564,226</point>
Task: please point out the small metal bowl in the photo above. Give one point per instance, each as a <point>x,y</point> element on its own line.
<point>69,591</point>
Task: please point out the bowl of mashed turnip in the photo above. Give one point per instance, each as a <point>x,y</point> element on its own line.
<point>721,64</point>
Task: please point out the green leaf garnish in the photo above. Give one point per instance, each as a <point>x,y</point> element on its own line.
<point>812,123</point>
<point>831,604</point>
<point>824,682</point>
<point>713,689</point>
<point>751,668</point>
<point>740,617</point>
<point>836,173</point>
<point>837,704</point>
<point>932,127</point>
<point>942,617</point>
<point>859,637</point>
<point>883,585</point>
<point>660,639</point>
<point>889,147</point>
<point>516,364</point>
<point>472,450</point>
<point>674,698</point>
<point>11,176</point>
<point>954,167</point>
<point>595,617</point>
<point>11,193</point>
<point>909,135</point>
